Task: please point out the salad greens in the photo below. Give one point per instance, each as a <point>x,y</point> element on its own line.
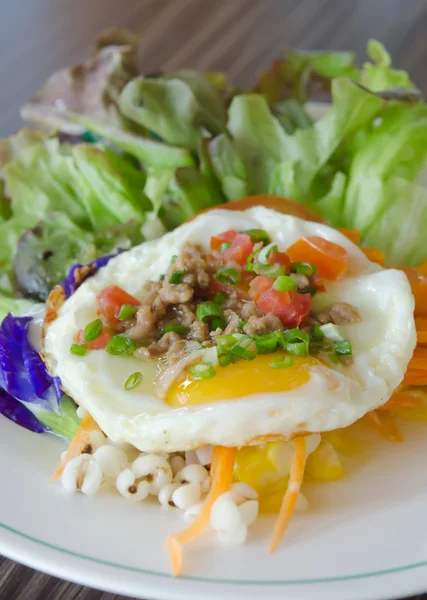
<point>141,154</point>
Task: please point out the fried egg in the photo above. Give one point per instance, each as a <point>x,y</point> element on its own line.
<point>246,401</point>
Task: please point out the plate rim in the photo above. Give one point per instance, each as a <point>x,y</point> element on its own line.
<point>209,580</point>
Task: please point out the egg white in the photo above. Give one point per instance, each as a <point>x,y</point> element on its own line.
<point>383,343</point>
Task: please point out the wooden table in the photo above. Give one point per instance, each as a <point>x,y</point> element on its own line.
<point>236,36</point>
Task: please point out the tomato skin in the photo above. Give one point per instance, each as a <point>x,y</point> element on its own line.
<point>330,259</point>
<point>110,301</point>
<point>241,289</point>
<point>240,249</point>
<point>97,344</point>
<point>258,285</point>
<point>225,236</point>
<point>290,307</point>
<point>280,258</point>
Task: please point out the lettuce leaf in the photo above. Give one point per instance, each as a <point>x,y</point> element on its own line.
<point>91,88</point>
<point>178,107</point>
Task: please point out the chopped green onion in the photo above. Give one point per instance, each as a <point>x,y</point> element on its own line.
<point>316,333</point>
<point>296,342</point>
<point>93,331</point>
<point>273,271</point>
<point>218,323</point>
<point>220,298</point>
<point>230,276</point>
<point>241,350</point>
<point>327,345</point>
<point>127,311</point>
<point>332,332</point>
<point>266,342</point>
<point>250,261</point>
<point>258,235</point>
<point>78,349</point>
<point>201,371</point>
<point>133,381</point>
<point>180,329</point>
<point>208,309</point>
<point>120,345</point>
<point>315,347</point>
<point>177,276</point>
<point>230,338</point>
<point>225,360</point>
<point>173,259</point>
<point>281,362</point>
<point>322,301</point>
<point>162,276</point>
<point>284,283</point>
<point>272,248</point>
<point>334,358</point>
<point>304,268</point>
<point>224,246</point>
<point>343,348</point>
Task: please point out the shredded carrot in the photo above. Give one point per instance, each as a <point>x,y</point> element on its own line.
<point>403,400</point>
<point>222,474</point>
<point>418,361</point>
<point>352,234</point>
<point>415,377</point>
<point>421,327</point>
<point>385,425</point>
<point>78,443</point>
<point>374,255</point>
<point>422,269</point>
<point>291,496</point>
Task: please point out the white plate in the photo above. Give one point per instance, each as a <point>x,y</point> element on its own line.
<point>364,537</point>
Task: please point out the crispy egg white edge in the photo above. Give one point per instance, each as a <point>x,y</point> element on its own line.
<point>383,345</point>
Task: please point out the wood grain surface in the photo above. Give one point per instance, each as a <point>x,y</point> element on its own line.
<point>236,36</point>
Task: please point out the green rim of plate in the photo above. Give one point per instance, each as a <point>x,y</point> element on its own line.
<point>108,563</point>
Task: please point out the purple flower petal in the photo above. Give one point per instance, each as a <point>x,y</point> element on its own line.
<point>78,273</point>
<point>18,413</point>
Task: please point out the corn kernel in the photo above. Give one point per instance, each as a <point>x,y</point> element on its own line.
<point>324,464</point>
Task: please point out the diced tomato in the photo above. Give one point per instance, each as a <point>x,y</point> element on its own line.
<point>226,236</point>
<point>290,307</point>
<point>111,300</point>
<point>259,285</point>
<point>240,249</point>
<point>374,255</point>
<point>99,343</point>
<point>352,234</point>
<point>280,258</point>
<point>330,259</point>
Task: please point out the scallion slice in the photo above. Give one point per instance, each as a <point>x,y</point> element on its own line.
<point>316,333</point>
<point>93,330</point>
<point>120,345</point>
<point>241,348</point>
<point>284,283</point>
<point>258,235</point>
<point>177,276</point>
<point>220,298</point>
<point>127,312</point>
<point>296,342</point>
<point>266,342</point>
<point>281,362</point>
<point>78,349</point>
<point>133,381</point>
<point>180,329</point>
<point>343,348</point>
<point>201,371</point>
<point>304,268</point>
<point>225,275</point>
<point>332,332</point>
<point>272,271</point>
<point>250,261</point>
<point>208,309</point>
<point>224,246</point>
<point>218,323</point>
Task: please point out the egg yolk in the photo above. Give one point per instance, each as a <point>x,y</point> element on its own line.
<point>242,378</point>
